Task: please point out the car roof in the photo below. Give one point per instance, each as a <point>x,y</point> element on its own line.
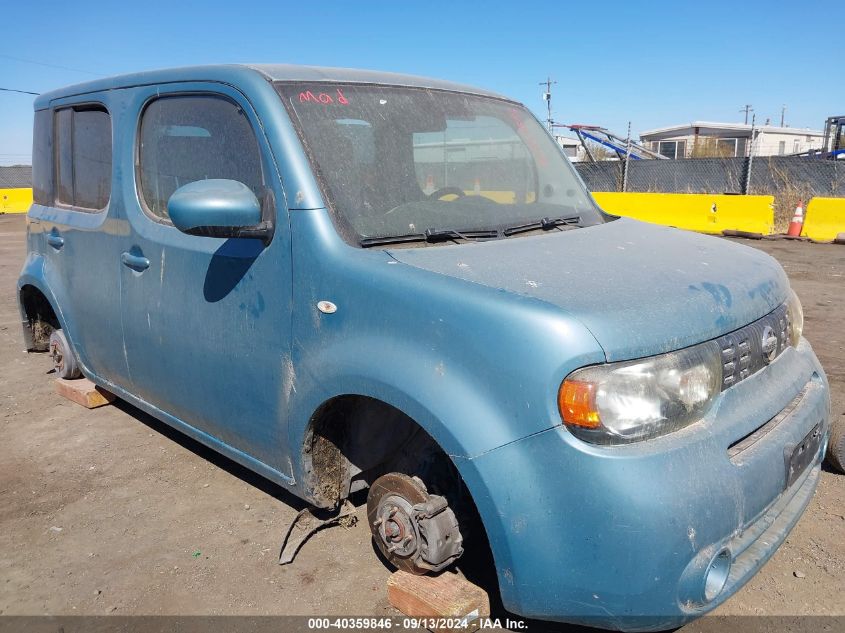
<point>229,73</point>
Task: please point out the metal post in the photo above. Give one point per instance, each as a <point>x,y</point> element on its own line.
<point>585,146</point>
<point>747,187</point>
<point>627,160</point>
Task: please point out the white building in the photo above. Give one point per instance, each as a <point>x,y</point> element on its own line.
<point>572,148</point>
<point>729,139</point>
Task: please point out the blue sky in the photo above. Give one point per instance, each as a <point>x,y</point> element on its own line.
<point>653,63</point>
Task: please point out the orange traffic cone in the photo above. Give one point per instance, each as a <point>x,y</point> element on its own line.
<point>797,221</point>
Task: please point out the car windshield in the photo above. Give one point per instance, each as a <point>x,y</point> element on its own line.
<point>397,161</point>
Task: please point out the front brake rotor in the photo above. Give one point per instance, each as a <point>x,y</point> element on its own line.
<point>390,505</point>
<point>415,531</point>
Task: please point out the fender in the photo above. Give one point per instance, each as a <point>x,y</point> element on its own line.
<point>461,419</point>
<point>441,350</point>
<point>34,274</point>
<point>444,398</point>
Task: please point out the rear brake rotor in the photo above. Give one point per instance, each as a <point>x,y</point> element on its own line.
<point>390,514</point>
<point>57,356</point>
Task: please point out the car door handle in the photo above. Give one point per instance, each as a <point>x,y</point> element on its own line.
<point>135,262</point>
<point>56,241</point>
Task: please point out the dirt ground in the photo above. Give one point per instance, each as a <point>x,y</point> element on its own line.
<point>111,512</point>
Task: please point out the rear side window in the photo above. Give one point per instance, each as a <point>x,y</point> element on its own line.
<point>42,158</point>
<point>83,157</point>
<point>190,138</point>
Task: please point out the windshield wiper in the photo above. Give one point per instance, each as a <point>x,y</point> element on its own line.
<point>545,224</point>
<point>430,235</point>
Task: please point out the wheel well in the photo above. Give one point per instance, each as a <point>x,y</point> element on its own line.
<point>41,319</point>
<point>352,440</point>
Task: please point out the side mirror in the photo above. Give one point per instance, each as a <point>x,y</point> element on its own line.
<point>217,208</point>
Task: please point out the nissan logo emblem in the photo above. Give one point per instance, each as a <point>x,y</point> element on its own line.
<point>770,344</point>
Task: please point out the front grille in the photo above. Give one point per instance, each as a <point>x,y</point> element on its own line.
<point>742,350</point>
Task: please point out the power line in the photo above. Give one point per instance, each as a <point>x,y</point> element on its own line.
<point>30,61</point>
<point>23,92</point>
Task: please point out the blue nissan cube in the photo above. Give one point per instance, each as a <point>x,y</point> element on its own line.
<point>353,281</point>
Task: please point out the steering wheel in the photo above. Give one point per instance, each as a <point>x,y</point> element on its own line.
<point>445,191</point>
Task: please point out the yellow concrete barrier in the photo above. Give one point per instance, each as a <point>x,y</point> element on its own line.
<point>824,219</point>
<point>702,212</point>
<point>15,200</point>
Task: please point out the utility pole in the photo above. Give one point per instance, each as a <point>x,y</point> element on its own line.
<point>547,97</point>
<point>747,109</point>
<point>782,114</point>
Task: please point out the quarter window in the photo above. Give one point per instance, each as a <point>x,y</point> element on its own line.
<point>190,138</point>
<point>83,157</point>
<point>42,158</point>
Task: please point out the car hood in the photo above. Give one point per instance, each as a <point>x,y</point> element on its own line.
<point>641,289</point>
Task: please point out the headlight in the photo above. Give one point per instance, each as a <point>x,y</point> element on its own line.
<point>636,400</point>
<point>796,318</point>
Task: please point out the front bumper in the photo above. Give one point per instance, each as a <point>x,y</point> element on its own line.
<point>622,536</point>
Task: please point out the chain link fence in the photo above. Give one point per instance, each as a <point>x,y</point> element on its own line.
<point>790,179</point>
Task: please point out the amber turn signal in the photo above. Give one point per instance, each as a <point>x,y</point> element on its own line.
<point>576,401</point>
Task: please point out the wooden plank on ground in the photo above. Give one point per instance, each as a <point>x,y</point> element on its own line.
<point>83,391</point>
<point>446,596</point>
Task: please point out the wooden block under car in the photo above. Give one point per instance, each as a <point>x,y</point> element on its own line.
<point>444,597</point>
<point>83,391</point>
